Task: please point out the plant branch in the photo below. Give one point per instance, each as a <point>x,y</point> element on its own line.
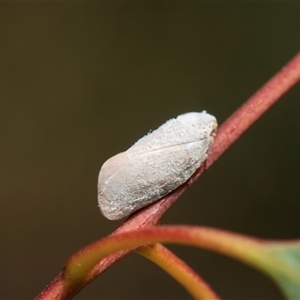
<point>227,134</point>
<point>254,108</point>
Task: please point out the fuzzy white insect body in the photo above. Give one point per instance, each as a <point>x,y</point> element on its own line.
<point>155,165</point>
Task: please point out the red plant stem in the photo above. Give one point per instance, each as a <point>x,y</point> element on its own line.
<point>254,108</point>
<point>253,251</point>
<point>227,134</point>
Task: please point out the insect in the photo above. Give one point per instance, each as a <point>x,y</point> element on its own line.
<point>155,165</point>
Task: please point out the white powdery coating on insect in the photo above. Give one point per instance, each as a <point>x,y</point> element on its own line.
<point>155,165</point>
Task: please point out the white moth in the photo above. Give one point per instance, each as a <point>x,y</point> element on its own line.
<point>155,165</point>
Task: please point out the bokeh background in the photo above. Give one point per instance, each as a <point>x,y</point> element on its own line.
<point>81,82</point>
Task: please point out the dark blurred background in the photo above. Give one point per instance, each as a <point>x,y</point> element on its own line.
<point>81,82</point>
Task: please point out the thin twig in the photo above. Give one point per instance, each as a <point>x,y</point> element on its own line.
<point>227,134</point>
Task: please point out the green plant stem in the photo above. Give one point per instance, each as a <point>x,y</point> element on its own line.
<point>179,270</point>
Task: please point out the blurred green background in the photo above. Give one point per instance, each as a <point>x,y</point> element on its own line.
<point>81,82</point>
